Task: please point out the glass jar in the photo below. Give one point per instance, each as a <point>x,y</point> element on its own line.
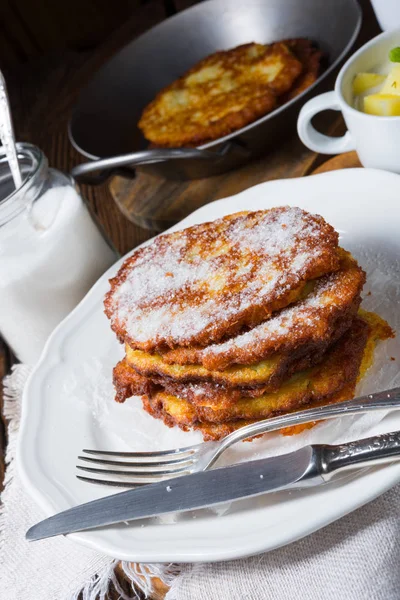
<point>51,252</point>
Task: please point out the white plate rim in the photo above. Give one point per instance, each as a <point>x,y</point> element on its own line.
<point>384,478</point>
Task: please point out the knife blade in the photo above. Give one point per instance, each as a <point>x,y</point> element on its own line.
<point>188,492</point>
<point>309,466</point>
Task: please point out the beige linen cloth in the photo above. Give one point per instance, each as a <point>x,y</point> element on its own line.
<point>355,558</point>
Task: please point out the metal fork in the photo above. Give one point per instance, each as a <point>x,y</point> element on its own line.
<point>151,467</point>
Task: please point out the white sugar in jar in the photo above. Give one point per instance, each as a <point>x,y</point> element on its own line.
<point>51,252</point>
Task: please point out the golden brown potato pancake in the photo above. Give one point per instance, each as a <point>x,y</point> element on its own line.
<point>216,431</point>
<point>339,367</point>
<point>265,375</point>
<point>127,382</point>
<point>221,94</point>
<point>231,385</point>
<point>311,59</point>
<point>206,388</point>
<point>199,285</point>
<point>309,322</point>
<point>334,380</point>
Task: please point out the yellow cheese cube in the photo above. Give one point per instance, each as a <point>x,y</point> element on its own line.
<point>383,105</point>
<point>392,83</point>
<point>363,82</point>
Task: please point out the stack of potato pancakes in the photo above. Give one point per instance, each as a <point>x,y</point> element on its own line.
<point>233,321</point>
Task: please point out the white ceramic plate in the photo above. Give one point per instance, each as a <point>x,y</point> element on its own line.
<point>68,402</point>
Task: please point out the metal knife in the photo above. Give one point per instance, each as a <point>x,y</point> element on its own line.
<point>309,466</point>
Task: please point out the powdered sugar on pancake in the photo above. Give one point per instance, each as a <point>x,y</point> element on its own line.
<point>306,322</point>
<point>199,284</point>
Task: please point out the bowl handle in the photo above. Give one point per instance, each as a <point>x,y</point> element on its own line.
<point>106,167</point>
<point>312,138</point>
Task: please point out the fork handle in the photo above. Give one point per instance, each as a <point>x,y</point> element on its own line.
<point>386,400</point>
<point>360,453</point>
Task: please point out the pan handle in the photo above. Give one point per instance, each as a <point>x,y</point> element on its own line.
<point>114,165</point>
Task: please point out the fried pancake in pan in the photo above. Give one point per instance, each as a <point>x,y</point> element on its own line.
<point>310,321</point>
<point>339,367</point>
<point>221,94</point>
<point>311,59</point>
<point>199,285</point>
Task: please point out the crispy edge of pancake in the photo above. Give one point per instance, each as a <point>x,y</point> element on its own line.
<point>347,284</point>
<point>328,261</point>
<point>312,59</point>
<point>164,129</point>
<point>341,366</point>
<point>377,329</point>
<point>346,393</point>
<point>128,382</point>
<point>267,373</point>
<point>216,431</point>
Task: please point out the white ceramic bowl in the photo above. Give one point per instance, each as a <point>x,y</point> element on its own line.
<point>376,139</point>
<point>387,12</point>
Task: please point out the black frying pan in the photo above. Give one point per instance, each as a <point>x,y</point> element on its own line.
<point>104,122</point>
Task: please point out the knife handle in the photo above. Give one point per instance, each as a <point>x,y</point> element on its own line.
<point>367,452</point>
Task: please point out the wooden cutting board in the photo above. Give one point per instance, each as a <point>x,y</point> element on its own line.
<point>157,203</point>
<point>349,160</point>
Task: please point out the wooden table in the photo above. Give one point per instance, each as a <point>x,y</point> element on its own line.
<point>42,95</point>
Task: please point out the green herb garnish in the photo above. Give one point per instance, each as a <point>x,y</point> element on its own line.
<point>394,54</point>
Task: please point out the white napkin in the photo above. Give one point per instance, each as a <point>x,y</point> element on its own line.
<point>355,558</point>
<point>53,569</point>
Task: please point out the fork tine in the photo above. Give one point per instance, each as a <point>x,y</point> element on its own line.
<point>157,454</point>
<point>111,483</point>
<point>151,464</point>
<point>150,478</point>
<point>141,474</point>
